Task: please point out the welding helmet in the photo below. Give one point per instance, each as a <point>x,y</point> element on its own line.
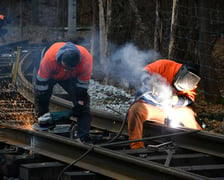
<point>187,77</point>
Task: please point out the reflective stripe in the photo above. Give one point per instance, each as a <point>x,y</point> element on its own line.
<point>42,84</point>
<point>42,87</point>
<point>39,78</point>
<point>82,84</point>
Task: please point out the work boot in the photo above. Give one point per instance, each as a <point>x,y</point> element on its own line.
<point>85,140</point>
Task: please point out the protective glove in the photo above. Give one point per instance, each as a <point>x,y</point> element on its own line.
<point>46,120</point>
<point>174,100</point>
<point>181,101</point>
<point>77,110</point>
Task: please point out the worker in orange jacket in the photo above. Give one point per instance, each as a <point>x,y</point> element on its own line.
<point>70,66</point>
<point>166,95</point>
<point>2,23</point>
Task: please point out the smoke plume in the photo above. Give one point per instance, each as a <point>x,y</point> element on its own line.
<point>128,61</point>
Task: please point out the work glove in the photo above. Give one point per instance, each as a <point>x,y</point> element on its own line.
<point>77,110</point>
<point>174,100</point>
<point>181,101</point>
<point>46,120</point>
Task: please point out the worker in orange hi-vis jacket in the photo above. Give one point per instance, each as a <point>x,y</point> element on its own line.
<point>167,92</point>
<point>70,65</point>
<point>2,23</point>
<point>2,17</point>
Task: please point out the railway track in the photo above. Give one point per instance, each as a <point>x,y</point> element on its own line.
<point>169,154</point>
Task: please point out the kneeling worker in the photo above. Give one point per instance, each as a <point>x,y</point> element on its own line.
<point>182,80</point>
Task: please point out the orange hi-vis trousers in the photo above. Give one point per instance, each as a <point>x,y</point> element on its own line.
<point>141,112</point>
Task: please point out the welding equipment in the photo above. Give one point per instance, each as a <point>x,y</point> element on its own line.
<point>173,123</point>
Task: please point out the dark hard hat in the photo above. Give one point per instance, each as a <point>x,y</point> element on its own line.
<point>71,58</point>
<point>69,54</point>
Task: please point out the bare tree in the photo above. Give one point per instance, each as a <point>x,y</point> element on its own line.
<point>210,85</point>
<point>158,27</point>
<point>173,28</point>
<point>104,25</point>
<point>72,18</point>
<point>35,11</point>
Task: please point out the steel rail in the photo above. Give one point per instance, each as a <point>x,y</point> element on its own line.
<point>111,163</point>
<point>202,142</point>
<point>107,162</point>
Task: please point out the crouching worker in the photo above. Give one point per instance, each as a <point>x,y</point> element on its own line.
<point>70,66</point>
<point>167,88</point>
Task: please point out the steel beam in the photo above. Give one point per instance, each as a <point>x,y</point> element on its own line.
<point>100,160</point>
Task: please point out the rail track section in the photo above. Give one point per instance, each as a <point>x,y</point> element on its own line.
<point>164,160</point>
<point>169,153</point>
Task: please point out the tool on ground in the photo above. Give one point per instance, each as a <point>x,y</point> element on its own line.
<point>50,119</point>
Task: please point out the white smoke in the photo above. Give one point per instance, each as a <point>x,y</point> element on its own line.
<point>132,61</point>
<point>134,58</point>
<point>128,61</point>
<point>161,89</point>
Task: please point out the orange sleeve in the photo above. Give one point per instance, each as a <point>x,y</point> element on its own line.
<point>86,65</point>
<point>166,68</point>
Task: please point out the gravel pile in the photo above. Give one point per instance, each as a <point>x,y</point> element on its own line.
<point>105,97</point>
<point>109,98</point>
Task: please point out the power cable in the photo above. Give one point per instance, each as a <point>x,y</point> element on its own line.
<point>75,161</point>
<point>122,142</point>
<point>148,138</point>
<point>121,128</point>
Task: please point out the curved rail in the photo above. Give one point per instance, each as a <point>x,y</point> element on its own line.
<point>102,159</point>
<point>202,142</point>
<point>110,163</point>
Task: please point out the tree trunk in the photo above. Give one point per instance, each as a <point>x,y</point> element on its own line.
<point>72,18</point>
<point>35,11</point>
<point>21,19</point>
<point>139,34</point>
<point>94,49</point>
<point>158,27</point>
<point>173,28</point>
<point>104,25</point>
<point>212,93</point>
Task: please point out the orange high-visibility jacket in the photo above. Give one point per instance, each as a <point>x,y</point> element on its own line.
<point>168,69</point>
<point>51,69</point>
